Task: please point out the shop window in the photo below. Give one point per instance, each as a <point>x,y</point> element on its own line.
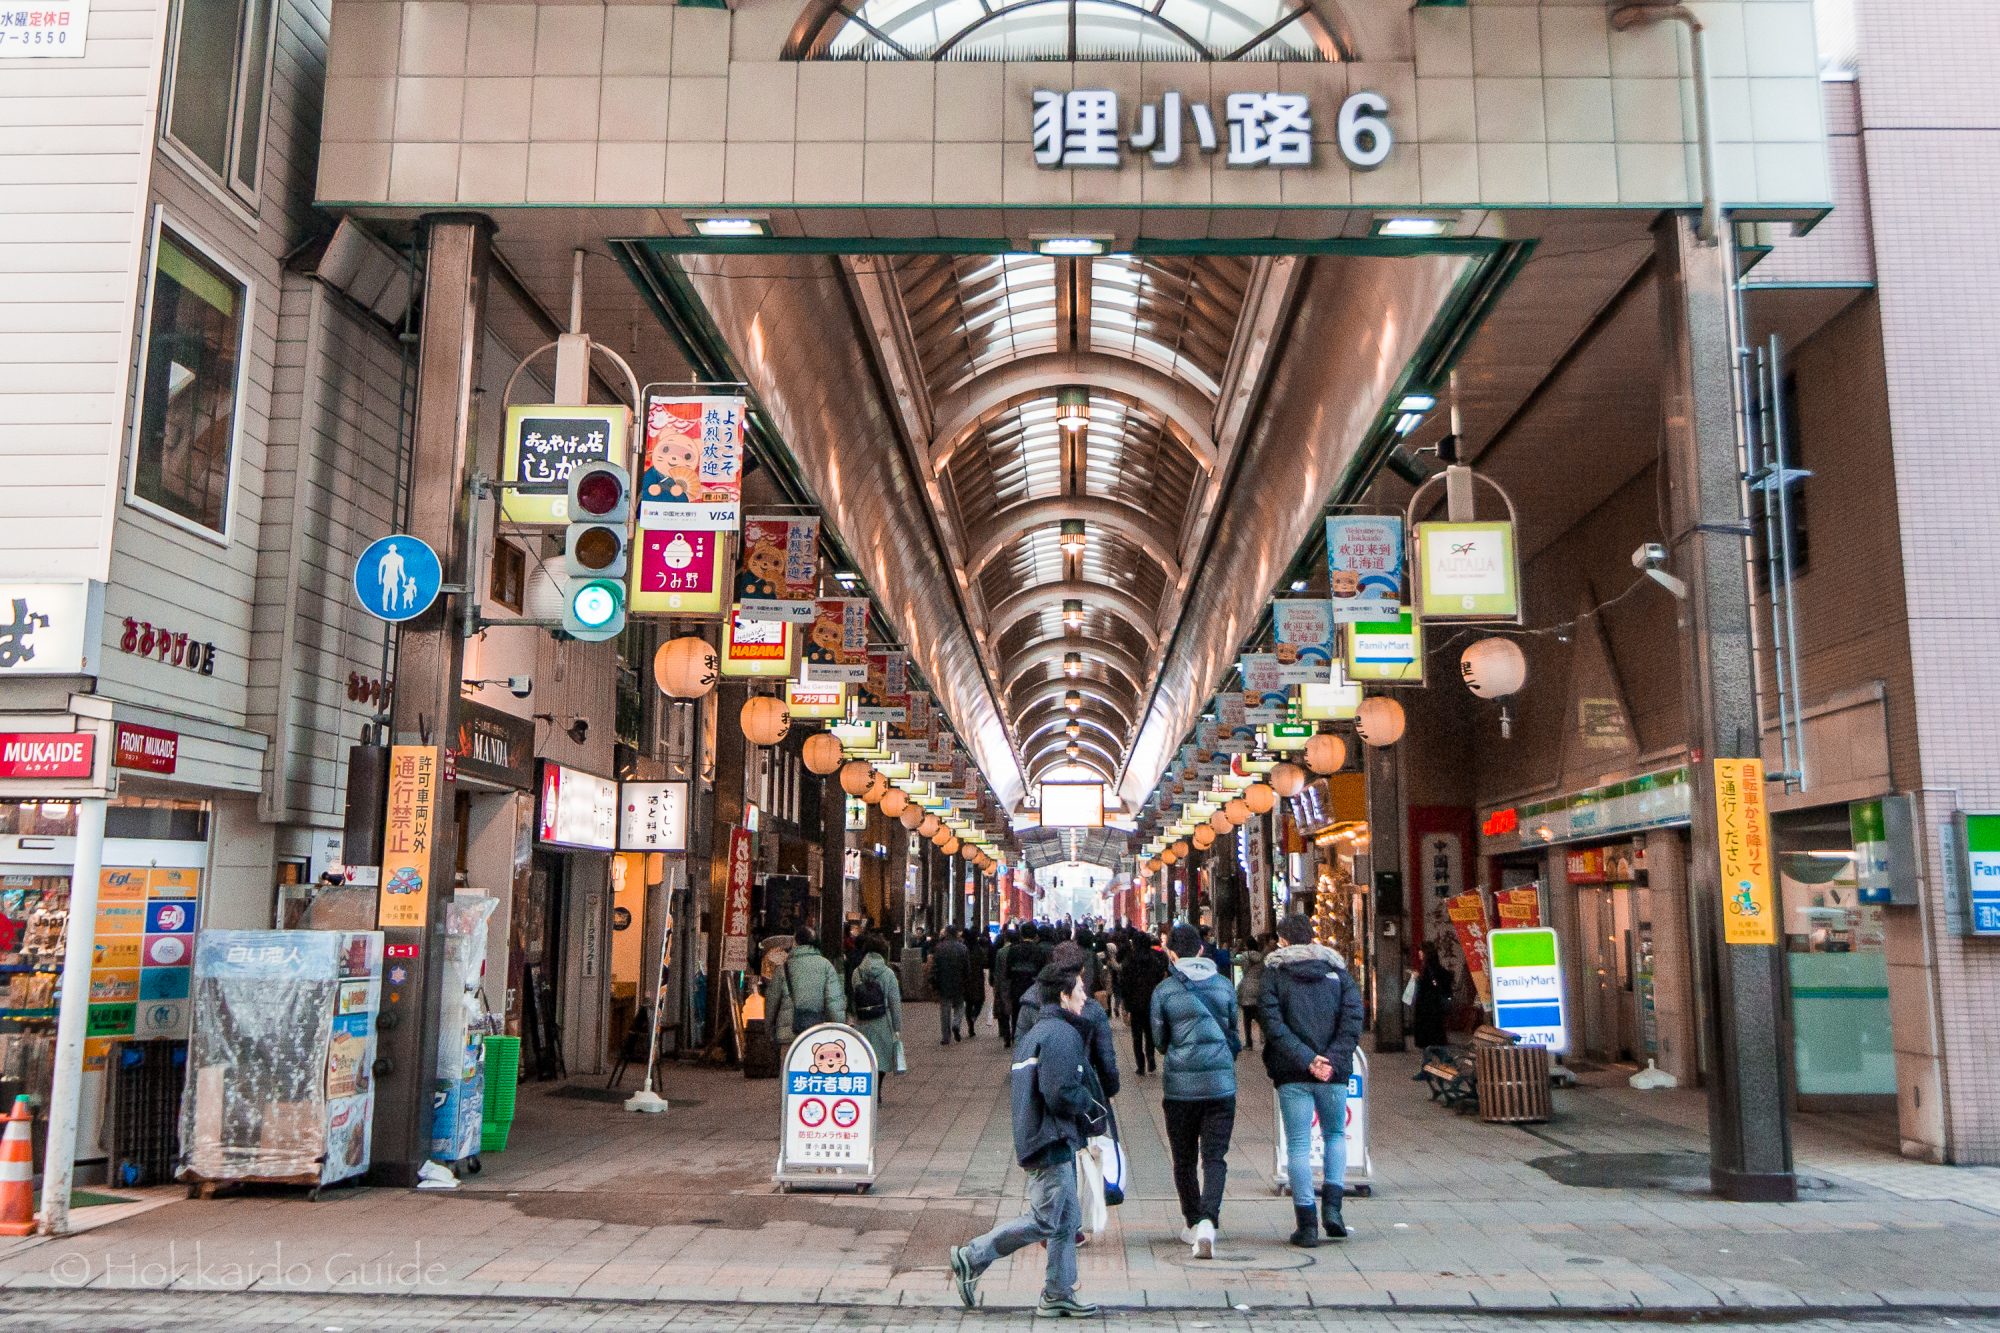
<point>220,53</point>
<point>184,448</point>
<point>1764,503</point>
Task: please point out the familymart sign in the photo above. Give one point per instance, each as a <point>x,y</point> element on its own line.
<point>1086,127</point>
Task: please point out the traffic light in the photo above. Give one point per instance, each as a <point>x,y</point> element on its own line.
<point>596,549</point>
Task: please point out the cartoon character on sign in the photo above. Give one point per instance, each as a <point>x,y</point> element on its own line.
<point>1743,901</point>
<point>830,1057</point>
<point>407,879</point>
<point>673,461</point>
<point>763,572</point>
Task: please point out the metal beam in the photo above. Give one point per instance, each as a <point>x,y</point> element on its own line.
<point>1011,523</point>
<point>1097,596</point>
<point>960,412</point>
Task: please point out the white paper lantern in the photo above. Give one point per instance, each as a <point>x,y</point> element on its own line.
<point>940,838</point>
<point>1204,838</point>
<point>951,845</point>
<point>911,817</point>
<point>1494,668</point>
<point>822,753</point>
<point>1326,753</point>
<point>686,668</point>
<point>765,719</point>
<point>1260,797</point>
<point>1169,856</point>
<point>1288,780</point>
<point>1380,721</point>
<point>894,801</point>
<point>1238,811</point>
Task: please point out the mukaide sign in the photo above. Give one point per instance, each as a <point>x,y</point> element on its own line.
<point>33,754</point>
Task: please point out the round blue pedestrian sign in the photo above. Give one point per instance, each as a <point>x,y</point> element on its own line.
<point>397,578</point>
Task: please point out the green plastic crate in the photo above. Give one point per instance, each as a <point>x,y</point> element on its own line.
<point>492,1137</point>
<point>503,1079</point>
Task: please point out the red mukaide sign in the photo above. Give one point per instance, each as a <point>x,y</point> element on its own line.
<point>47,754</point>
<point>147,749</point>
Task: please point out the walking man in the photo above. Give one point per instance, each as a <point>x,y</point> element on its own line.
<point>951,966</point>
<point>1194,1023</point>
<point>1145,968</point>
<point>1056,1109</point>
<point>1312,1020</point>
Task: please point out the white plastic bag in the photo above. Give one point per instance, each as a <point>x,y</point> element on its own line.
<point>1110,1165</point>
<point>1090,1190</point>
<point>1410,991</point>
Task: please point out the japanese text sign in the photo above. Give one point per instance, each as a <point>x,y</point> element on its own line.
<point>408,827</point>
<point>680,570</point>
<point>756,647</point>
<point>1364,565</point>
<point>736,908</point>
<point>544,444</point>
<point>1086,127</point>
<point>1743,840</point>
<point>778,571</point>
<point>693,468</point>
<point>837,646</point>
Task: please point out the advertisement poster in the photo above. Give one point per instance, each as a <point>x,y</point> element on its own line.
<point>1467,571</point>
<point>681,570</point>
<point>1743,832</point>
<point>1519,908</point>
<point>756,647</point>
<point>837,646</point>
<point>544,444</point>
<point>1264,692</point>
<point>736,910</point>
<point>880,699</point>
<point>1304,628</point>
<point>1467,913</point>
<point>778,572</point>
<point>407,829</point>
<point>692,476</point>
<point>807,699</point>
<point>1387,652</point>
<point>1364,563</point>
<point>140,970</point>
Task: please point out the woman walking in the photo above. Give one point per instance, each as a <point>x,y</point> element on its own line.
<point>1194,1023</point>
<point>1250,991</point>
<point>1435,985</point>
<point>875,1002</point>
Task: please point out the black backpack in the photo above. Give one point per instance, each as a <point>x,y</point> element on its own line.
<point>802,1017</point>
<point>870,1000</point>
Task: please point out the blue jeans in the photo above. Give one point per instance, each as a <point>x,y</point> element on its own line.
<point>1296,1103</point>
<point>1054,1215</point>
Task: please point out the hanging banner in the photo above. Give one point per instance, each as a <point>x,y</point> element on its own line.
<point>804,699</point>
<point>1304,628</point>
<point>408,825</point>
<point>756,647</point>
<point>544,444</point>
<point>736,908</point>
<point>879,701</point>
<point>1336,702</point>
<point>1467,571</point>
<point>1467,913</point>
<point>778,571</point>
<point>1388,652</point>
<point>693,474</point>
<point>680,570</point>
<point>1520,909</point>
<point>1364,565</point>
<point>1743,837</point>
<point>837,646</point>
<point>1264,693</point>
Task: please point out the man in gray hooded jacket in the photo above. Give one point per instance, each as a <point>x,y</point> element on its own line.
<point>1194,1024</point>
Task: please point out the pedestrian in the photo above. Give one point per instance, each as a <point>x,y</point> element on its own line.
<point>977,962</point>
<point>1103,1049</point>
<point>1056,1110</point>
<point>950,965</point>
<point>808,989</point>
<point>1432,1005</point>
<point>1003,1010</point>
<point>1194,1022</point>
<point>1144,969</point>
<point>1250,992</point>
<point>1312,1020</point>
<point>875,998</point>
<point>1025,962</point>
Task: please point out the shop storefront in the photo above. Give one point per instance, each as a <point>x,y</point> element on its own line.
<point>1327,870</point>
<point>565,915</point>
<point>1834,882</point>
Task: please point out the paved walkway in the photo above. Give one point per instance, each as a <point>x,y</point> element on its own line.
<point>594,1202</point>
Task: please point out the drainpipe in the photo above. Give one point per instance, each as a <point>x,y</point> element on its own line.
<point>1645,15</point>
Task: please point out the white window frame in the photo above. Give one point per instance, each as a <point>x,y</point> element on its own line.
<point>225,184</point>
<point>164,221</point>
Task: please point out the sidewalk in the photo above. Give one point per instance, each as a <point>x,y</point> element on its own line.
<point>595,1202</point>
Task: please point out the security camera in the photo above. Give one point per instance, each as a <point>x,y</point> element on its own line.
<point>579,729</point>
<point>1650,560</point>
<point>520,686</point>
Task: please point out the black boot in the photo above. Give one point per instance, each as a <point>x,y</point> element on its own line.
<point>1306,1234</point>
<point>1329,1212</point>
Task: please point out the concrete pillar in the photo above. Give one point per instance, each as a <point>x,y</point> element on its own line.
<point>1750,1144</point>
<point>1673,955</point>
<point>1566,921</point>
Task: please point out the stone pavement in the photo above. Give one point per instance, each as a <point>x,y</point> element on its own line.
<point>592,1202</point>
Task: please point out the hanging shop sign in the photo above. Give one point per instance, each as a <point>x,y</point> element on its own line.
<point>828,1135</point>
<point>693,474</point>
<point>1265,695</point>
<point>652,816</point>
<point>43,29</point>
<point>494,747</point>
<point>736,907</point>
<point>1467,914</point>
<point>778,571</point>
<point>49,629</point>
<point>1977,839</point>
<point>1385,652</point>
<point>756,647</point>
<point>1467,571</point>
<point>47,754</point>
<point>543,444</point>
<point>397,578</point>
<point>1364,565</point>
<point>1304,630</point>
<point>1519,908</point>
<point>146,749</point>
<point>408,827</point>
<point>1743,835</point>
<point>884,691</point>
<point>807,699</point>
<point>1652,800</point>
<point>1527,987</point>
<point>680,570</point>
<point>577,809</point>
<point>837,645</point>
<point>1083,127</point>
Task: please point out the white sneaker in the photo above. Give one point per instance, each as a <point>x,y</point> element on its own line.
<point>1204,1239</point>
<point>1187,1235</point>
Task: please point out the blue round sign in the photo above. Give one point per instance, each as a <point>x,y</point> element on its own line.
<point>397,578</point>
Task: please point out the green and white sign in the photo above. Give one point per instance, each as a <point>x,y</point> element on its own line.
<point>1389,652</point>
<point>1982,878</point>
<point>1527,987</point>
<point>1467,572</point>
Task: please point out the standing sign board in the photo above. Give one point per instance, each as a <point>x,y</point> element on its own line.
<point>827,1140</point>
<point>1360,1165</point>
<point>1527,987</point>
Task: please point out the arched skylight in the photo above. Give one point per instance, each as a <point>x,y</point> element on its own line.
<point>1064,30</point>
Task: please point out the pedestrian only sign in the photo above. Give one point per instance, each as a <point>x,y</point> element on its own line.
<point>397,578</point>
<point>1527,987</point>
<point>1360,1174</point>
<point>828,1137</point>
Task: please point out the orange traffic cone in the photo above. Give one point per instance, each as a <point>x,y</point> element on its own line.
<point>17,1174</point>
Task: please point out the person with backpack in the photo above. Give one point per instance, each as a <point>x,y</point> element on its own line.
<point>1144,969</point>
<point>950,966</point>
<point>1312,1021</point>
<point>875,999</point>
<point>1025,961</point>
<point>1057,1108</point>
<point>808,990</point>
<point>1194,1022</point>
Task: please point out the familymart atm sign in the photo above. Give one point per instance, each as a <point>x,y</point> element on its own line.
<point>1982,879</point>
<point>1528,988</point>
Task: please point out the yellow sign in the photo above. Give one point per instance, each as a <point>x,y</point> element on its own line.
<point>1743,835</point>
<point>172,882</point>
<point>121,882</point>
<point>117,953</point>
<point>407,830</point>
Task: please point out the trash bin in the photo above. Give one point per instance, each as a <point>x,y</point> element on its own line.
<point>1512,1084</point>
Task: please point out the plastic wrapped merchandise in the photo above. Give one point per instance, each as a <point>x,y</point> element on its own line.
<point>459,1091</point>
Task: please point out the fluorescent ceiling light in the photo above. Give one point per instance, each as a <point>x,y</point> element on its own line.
<point>1070,246</point>
<point>847,580</point>
<point>1298,585</point>
<point>729,225</point>
<point>1417,402</point>
<point>1408,227</point>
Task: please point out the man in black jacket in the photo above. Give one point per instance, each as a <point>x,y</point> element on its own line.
<point>1057,1106</point>
<point>951,968</point>
<point>1103,1050</point>
<point>1141,972</point>
<point>1025,960</point>
<point>1312,1021</point>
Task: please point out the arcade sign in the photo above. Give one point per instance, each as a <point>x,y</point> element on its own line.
<point>1083,127</point>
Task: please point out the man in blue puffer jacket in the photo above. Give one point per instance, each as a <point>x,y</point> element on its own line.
<point>1194,1024</point>
<point>1312,1021</point>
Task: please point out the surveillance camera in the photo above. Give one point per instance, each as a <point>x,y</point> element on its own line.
<point>520,686</point>
<point>1650,556</point>
<point>579,729</point>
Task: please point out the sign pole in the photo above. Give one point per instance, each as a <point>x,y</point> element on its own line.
<point>645,1100</point>
<point>73,1017</point>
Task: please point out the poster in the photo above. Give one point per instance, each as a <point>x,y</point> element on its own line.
<point>1388,652</point>
<point>692,476</point>
<point>140,969</point>
<point>680,570</point>
<point>1364,565</point>
<point>805,699</point>
<point>1519,908</point>
<point>756,647</point>
<point>778,571</point>
<point>1264,693</point>
<point>1743,838</point>
<point>736,910</point>
<point>543,444</point>
<point>880,699</point>
<point>1467,913</point>
<point>837,646</point>
<point>1304,629</point>
<point>407,830</point>
<point>1468,571</point>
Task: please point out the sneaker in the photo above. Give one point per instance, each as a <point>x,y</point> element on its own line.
<point>1204,1239</point>
<point>1065,1307</point>
<point>962,1276</point>
<point>1187,1234</point>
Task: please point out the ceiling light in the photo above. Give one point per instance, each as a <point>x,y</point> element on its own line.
<point>847,579</point>
<point>1073,538</point>
<point>1073,408</point>
<point>1072,728</point>
<point>1064,247</point>
<point>1298,585</point>
<point>732,226</point>
<point>1417,402</point>
<point>1072,612</point>
<point>1073,700</point>
<point>1072,749</point>
<point>1413,227</point>
<point>1408,422</point>
<point>1073,664</point>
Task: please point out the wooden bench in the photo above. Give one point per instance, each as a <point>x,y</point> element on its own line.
<point>1452,1072</point>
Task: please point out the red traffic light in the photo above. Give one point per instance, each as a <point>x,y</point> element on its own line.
<point>600,491</point>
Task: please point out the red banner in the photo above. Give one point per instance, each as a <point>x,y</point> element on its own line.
<point>1468,917</point>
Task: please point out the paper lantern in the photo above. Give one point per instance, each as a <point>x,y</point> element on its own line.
<point>1238,811</point>
<point>878,787</point>
<point>1204,838</point>
<point>686,668</point>
<point>1380,721</point>
<point>1493,668</point>
<point>1288,780</point>
<point>1181,849</point>
<point>940,838</point>
<point>1326,753</point>
<point>1169,856</point>
<point>929,827</point>
<point>1260,798</point>
<point>765,719</point>
<point>1219,823</point>
<point>855,775</point>
<point>822,753</point>
<point>911,817</point>
<point>894,801</point>
<point>951,845</point>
